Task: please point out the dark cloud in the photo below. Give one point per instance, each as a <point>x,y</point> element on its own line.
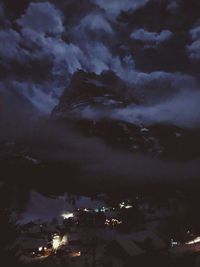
<point>95,22</point>
<point>151,38</point>
<point>114,7</point>
<point>173,5</point>
<point>43,18</point>
<point>43,53</point>
<point>194,48</point>
<point>48,51</point>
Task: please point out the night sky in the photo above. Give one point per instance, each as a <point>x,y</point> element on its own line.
<point>152,46</point>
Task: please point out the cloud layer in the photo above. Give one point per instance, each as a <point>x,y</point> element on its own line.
<point>43,46</point>
<point>114,7</point>
<point>194,47</point>
<point>43,18</point>
<point>151,38</point>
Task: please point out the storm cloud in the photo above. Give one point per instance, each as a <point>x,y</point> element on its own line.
<point>151,38</point>
<point>43,18</point>
<point>49,51</point>
<point>114,7</point>
<point>194,48</point>
<point>42,46</point>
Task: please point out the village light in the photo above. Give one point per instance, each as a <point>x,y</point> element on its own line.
<point>64,240</point>
<point>115,221</point>
<point>103,209</point>
<point>107,222</point>
<point>112,222</point>
<point>86,210</point>
<point>196,240</point>
<point>77,254</point>
<point>128,207</point>
<point>173,243</point>
<point>67,215</point>
<point>121,204</point>
<point>56,242</point>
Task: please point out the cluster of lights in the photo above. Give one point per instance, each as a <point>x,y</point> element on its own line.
<point>42,248</point>
<point>194,241</point>
<point>123,205</point>
<point>112,222</point>
<point>102,209</point>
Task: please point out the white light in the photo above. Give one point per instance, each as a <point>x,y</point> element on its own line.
<point>123,205</point>
<point>174,243</point>
<point>196,240</point>
<point>103,209</point>
<point>115,221</point>
<point>67,215</point>
<point>78,254</point>
<point>64,240</point>
<point>128,207</point>
<point>107,222</point>
<point>86,210</point>
<point>40,248</point>
<point>56,242</point>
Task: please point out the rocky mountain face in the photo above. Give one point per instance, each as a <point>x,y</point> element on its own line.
<point>104,91</point>
<point>83,139</point>
<point>88,107</point>
<point>90,99</point>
